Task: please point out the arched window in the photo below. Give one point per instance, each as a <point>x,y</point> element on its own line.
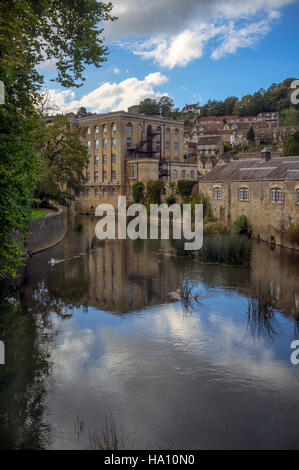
<point>88,193</point>
<point>217,193</point>
<point>176,146</point>
<point>104,193</point>
<point>167,131</point>
<point>113,193</point>
<point>113,175</point>
<point>105,143</point>
<point>167,145</point>
<point>176,132</point>
<point>104,159</point>
<point>158,130</point>
<point>276,195</point>
<point>129,142</point>
<point>104,175</point>
<point>96,129</point>
<point>114,143</point>
<point>96,160</point>
<point>243,194</point>
<point>104,128</point>
<point>174,174</point>
<point>209,165</point>
<point>88,144</point>
<point>96,193</point>
<point>128,127</point>
<point>96,176</point>
<point>113,127</point>
<point>113,159</point>
<point>88,130</point>
<point>96,144</point>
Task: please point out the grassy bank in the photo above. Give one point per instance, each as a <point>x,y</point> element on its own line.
<point>37,213</point>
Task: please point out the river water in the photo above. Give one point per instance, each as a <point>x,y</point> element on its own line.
<point>104,339</point>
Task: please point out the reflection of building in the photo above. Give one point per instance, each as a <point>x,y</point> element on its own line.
<point>125,148</point>
<point>266,191</point>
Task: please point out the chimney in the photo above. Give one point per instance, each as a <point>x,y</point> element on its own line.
<point>266,154</point>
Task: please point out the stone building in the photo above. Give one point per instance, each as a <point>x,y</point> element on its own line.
<point>127,147</point>
<point>266,191</point>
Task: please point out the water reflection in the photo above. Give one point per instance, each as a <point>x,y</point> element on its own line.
<point>105,330</point>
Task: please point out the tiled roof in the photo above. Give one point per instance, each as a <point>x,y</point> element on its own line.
<point>283,168</point>
<point>208,140</point>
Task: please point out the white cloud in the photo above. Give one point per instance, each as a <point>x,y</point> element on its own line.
<point>116,70</point>
<point>111,96</point>
<point>171,33</point>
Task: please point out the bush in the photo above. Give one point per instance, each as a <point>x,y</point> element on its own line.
<point>138,192</point>
<point>153,192</point>
<point>170,200</point>
<point>225,249</point>
<point>214,228</point>
<point>292,234</point>
<point>241,226</point>
<point>185,187</point>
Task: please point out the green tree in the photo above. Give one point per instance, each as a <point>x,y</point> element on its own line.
<point>65,158</point>
<point>31,32</point>
<point>149,106</point>
<point>166,106</point>
<point>138,192</point>
<point>291,145</point>
<point>250,135</point>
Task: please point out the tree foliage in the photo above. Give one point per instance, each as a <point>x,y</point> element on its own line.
<point>165,106</point>
<point>291,145</point>
<point>138,192</point>
<point>31,32</point>
<point>185,187</point>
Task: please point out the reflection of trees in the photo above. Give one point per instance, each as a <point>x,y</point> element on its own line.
<point>262,320</point>
<point>189,296</point>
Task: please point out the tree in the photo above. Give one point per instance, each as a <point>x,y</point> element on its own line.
<point>166,106</point>
<point>31,32</point>
<point>149,106</point>
<point>65,159</point>
<point>291,145</point>
<point>251,135</point>
<point>82,112</point>
<point>138,192</point>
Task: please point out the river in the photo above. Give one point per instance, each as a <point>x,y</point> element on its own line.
<point>103,338</point>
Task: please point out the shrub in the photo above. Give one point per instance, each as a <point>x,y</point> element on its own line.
<point>241,226</point>
<point>292,234</point>
<point>138,192</point>
<point>170,200</point>
<point>225,249</point>
<point>214,228</point>
<point>153,191</point>
<point>185,187</point>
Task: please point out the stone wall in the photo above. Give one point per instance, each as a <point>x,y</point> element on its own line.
<point>269,220</point>
<point>45,232</point>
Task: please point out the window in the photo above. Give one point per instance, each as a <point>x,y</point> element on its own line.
<point>128,127</point>
<point>113,127</point>
<point>88,130</point>
<point>104,159</point>
<point>297,196</point>
<point>176,146</point>
<point>217,193</point>
<point>96,129</point>
<point>174,174</point>
<point>243,194</point>
<point>276,195</point>
<point>88,193</point>
<point>88,176</point>
<point>113,175</point>
<point>129,142</point>
<point>158,130</point>
<point>167,145</point>
<point>96,193</point>
<point>167,131</point>
<point>114,143</point>
<point>113,158</point>
<point>192,174</point>
<point>96,176</point>
<point>104,175</point>
<point>104,128</point>
<point>104,193</point>
<point>96,144</point>
<point>113,193</point>
<point>183,173</point>
<point>105,143</point>
<point>158,146</point>
<point>88,144</point>
<point>176,132</point>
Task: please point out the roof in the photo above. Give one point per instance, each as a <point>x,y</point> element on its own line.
<point>282,168</point>
<point>208,140</point>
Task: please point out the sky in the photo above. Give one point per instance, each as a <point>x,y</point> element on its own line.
<point>191,50</point>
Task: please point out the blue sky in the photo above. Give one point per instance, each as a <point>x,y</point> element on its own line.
<point>211,49</point>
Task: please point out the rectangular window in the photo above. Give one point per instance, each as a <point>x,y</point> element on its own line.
<point>217,193</point>
<point>244,194</point>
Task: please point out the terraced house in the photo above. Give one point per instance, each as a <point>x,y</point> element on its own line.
<point>126,147</point>
<point>266,191</point>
